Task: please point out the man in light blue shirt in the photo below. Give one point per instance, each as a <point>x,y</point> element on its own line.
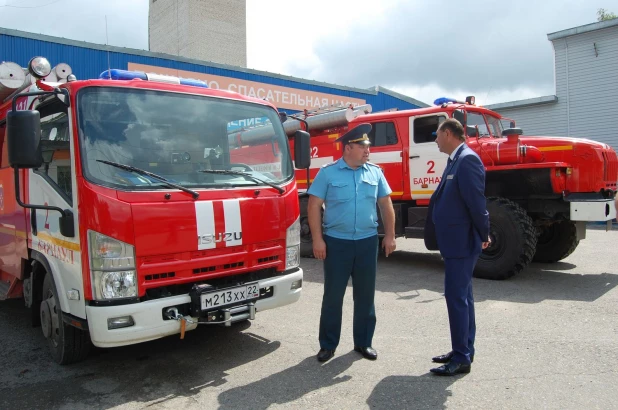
<point>347,238</point>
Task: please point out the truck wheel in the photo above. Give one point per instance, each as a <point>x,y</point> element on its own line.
<point>306,243</point>
<point>67,344</point>
<point>556,242</point>
<point>513,241</point>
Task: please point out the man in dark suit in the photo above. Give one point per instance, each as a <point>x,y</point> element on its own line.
<point>458,224</point>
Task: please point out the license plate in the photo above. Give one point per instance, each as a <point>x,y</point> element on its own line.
<point>229,296</point>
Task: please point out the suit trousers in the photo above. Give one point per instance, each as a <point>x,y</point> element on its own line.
<point>345,258</point>
<point>460,306</point>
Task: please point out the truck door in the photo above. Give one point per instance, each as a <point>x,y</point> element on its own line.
<point>54,184</point>
<point>386,152</point>
<point>426,162</point>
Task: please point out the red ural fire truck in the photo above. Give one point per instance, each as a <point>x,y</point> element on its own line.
<point>541,191</point>
<point>125,218</point>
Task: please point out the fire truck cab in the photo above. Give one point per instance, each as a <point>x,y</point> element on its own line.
<point>125,218</point>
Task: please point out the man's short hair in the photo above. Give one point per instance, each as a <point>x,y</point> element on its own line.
<point>454,127</point>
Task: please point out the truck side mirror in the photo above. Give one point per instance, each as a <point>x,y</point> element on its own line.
<point>302,150</point>
<point>283,117</point>
<point>67,224</point>
<point>472,132</point>
<point>460,115</point>
<point>23,130</point>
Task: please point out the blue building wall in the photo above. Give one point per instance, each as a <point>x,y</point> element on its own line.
<point>88,60</point>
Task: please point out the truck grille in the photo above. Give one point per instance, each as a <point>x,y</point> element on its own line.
<point>610,167</point>
<point>219,268</point>
<point>157,276</point>
<point>225,281</point>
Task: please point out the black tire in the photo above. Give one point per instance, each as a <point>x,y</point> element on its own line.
<point>556,241</point>
<point>306,242</point>
<point>67,344</point>
<point>514,239</point>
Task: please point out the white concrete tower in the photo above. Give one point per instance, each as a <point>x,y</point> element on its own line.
<point>209,30</point>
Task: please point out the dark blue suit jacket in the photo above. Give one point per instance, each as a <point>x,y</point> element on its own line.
<point>457,219</point>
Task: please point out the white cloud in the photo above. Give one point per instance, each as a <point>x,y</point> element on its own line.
<point>497,51</point>
<point>428,93</point>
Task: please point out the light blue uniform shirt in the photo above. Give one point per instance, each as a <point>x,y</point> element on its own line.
<point>350,197</point>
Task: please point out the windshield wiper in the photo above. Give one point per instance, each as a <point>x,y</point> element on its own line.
<point>150,174</point>
<point>244,174</point>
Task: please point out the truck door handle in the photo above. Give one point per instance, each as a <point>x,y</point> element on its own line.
<point>414,156</point>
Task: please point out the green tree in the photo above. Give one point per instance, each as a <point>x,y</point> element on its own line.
<point>603,15</point>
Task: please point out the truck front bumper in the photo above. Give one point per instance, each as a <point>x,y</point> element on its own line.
<point>600,210</point>
<point>149,323</point>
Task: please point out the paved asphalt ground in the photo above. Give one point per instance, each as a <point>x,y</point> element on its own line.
<point>547,338</point>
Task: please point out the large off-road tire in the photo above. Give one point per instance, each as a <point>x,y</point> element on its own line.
<point>513,241</point>
<point>67,344</point>
<point>556,241</point>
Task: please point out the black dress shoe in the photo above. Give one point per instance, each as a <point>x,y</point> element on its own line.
<point>325,354</point>
<point>451,369</point>
<point>367,352</point>
<point>445,358</point>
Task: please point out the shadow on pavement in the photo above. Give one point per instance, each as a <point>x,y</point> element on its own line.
<point>112,377</point>
<point>290,384</point>
<point>411,392</point>
<point>408,273</point>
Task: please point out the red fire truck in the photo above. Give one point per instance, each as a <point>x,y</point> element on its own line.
<point>542,191</point>
<point>124,217</point>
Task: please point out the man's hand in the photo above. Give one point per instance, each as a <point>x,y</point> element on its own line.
<point>389,245</point>
<point>319,248</point>
<point>388,219</point>
<point>486,244</point>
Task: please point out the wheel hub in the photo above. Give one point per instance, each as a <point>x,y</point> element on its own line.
<point>46,321</point>
<point>494,239</point>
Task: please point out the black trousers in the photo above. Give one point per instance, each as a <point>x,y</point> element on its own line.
<point>345,258</point>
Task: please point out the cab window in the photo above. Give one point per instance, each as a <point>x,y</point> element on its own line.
<point>477,120</point>
<point>495,126</point>
<point>425,128</point>
<point>383,133</point>
<point>56,148</point>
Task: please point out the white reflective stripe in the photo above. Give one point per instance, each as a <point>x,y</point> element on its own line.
<point>388,157</point>
<point>162,78</point>
<point>318,162</point>
<point>233,224</point>
<point>205,217</point>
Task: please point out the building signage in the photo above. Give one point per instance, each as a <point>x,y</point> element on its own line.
<point>281,97</point>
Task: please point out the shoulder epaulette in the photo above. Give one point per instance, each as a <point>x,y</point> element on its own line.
<point>372,164</point>
<point>329,164</point>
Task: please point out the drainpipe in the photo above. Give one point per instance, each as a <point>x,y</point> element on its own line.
<point>568,107</point>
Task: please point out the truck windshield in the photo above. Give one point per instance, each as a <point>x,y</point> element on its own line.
<point>178,136</point>
<point>495,126</point>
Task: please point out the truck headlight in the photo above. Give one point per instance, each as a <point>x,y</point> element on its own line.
<point>113,285</point>
<point>292,245</point>
<point>112,267</point>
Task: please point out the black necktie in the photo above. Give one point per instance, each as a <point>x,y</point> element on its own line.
<point>449,162</point>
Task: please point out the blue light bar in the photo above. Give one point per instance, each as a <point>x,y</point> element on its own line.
<point>446,100</point>
<point>192,82</point>
<point>125,75</point>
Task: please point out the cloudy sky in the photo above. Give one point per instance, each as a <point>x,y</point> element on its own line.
<point>496,50</point>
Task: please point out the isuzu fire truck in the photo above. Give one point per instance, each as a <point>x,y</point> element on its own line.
<point>541,191</point>
<point>124,217</point>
